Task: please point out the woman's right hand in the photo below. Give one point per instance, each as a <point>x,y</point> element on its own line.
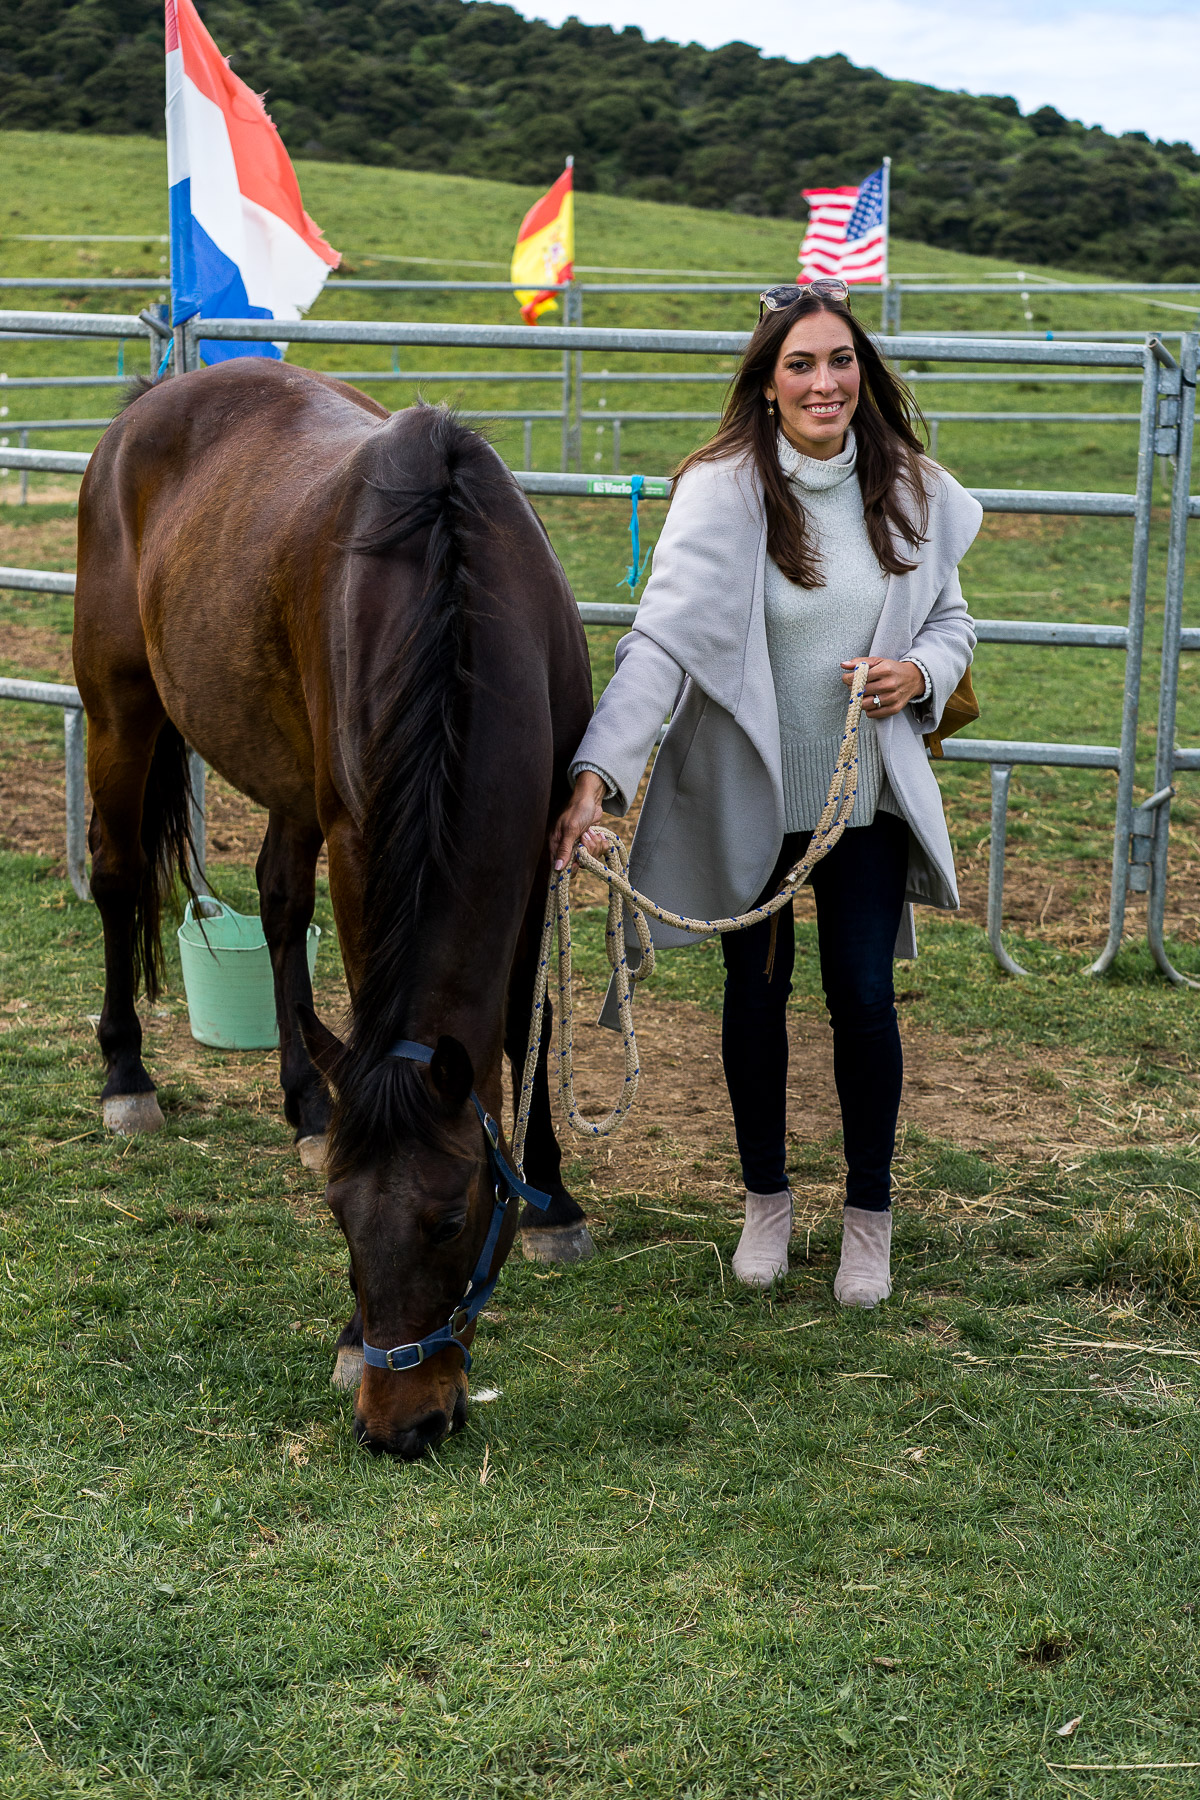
<point>584,810</point>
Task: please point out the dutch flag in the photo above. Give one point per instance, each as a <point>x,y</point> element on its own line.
<point>242,245</point>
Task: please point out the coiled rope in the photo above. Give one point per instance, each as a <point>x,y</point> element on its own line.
<point>835,816</point>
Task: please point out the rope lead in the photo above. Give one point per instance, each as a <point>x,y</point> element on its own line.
<point>556,923</point>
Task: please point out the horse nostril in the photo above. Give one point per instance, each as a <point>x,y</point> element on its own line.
<point>429,1430</point>
<point>409,1443</point>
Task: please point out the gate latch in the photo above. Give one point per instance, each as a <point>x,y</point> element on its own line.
<point>1142,825</point>
<point>1166,435</point>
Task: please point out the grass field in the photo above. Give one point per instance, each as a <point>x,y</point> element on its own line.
<point>701,1543</point>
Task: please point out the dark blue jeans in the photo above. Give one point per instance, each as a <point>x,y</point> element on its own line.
<point>859,891</point>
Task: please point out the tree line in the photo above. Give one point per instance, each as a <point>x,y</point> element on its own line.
<point>474,89</point>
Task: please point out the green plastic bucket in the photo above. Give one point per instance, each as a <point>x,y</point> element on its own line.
<point>227,976</point>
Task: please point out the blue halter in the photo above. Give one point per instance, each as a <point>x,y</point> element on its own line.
<point>507,1185</point>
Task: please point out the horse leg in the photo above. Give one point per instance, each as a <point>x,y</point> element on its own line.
<point>343,845</point>
<point>286,875</point>
<point>560,1234</point>
<point>122,751</point>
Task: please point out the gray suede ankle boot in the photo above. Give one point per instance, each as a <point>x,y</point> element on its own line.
<point>762,1252</point>
<point>865,1275</point>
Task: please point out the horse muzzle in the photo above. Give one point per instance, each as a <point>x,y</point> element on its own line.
<point>408,1431</point>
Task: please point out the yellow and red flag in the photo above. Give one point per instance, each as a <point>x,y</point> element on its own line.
<point>545,249</point>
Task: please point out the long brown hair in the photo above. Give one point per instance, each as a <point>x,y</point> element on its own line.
<point>890,476</point>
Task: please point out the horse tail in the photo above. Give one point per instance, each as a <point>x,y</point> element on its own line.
<point>168,853</point>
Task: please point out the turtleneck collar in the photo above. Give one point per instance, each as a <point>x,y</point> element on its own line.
<point>814,473</point>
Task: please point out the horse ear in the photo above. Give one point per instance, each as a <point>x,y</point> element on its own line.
<point>451,1074</point>
<point>322,1045</point>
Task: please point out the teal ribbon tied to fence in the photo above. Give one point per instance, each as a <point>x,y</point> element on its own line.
<point>637,564</point>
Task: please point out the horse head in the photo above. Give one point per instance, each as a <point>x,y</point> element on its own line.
<point>412,1185</point>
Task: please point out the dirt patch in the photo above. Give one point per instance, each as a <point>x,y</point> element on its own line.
<point>35,651</point>
<point>676,1153</point>
<point>680,1137</point>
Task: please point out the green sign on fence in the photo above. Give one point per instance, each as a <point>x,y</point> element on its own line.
<point>654,487</point>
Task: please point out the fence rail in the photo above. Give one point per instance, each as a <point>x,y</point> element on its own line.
<point>1163,409</point>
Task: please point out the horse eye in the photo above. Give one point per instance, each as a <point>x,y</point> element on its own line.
<point>447,1229</point>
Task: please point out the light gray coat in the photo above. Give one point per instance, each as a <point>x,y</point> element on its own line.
<point>712,821</point>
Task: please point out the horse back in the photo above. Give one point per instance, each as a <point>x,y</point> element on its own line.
<point>208,517</point>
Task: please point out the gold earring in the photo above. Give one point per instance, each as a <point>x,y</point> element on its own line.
<point>770,409</point>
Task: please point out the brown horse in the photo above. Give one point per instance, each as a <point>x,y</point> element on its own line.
<point>357,618</point>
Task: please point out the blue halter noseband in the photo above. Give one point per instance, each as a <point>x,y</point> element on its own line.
<point>507,1185</point>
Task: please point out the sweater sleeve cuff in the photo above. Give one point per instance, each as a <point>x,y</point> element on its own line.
<point>920,704</point>
<point>576,770</point>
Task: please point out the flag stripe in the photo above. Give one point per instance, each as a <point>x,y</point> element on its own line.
<point>242,245</point>
<point>846,235</point>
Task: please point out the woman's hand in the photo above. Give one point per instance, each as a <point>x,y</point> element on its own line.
<point>582,812</point>
<point>890,685</point>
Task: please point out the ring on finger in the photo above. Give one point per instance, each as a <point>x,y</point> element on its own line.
<point>875,700</point>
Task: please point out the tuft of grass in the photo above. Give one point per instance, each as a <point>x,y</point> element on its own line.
<point>1149,1250</point>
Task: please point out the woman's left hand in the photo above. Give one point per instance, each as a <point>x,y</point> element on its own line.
<point>890,685</point>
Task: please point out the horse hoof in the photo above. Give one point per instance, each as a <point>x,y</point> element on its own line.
<point>347,1370</point>
<point>128,1115</point>
<point>564,1244</point>
<point>312,1153</point>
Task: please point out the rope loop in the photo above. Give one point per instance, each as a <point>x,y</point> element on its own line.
<point>624,901</point>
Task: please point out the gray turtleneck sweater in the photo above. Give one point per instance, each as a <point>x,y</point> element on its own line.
<point>812,631</point>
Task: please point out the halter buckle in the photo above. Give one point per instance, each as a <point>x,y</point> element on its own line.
<point>460,1318</point>
<point>399,1368</point>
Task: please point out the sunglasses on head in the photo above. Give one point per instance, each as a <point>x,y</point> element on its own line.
<point>826,288</point>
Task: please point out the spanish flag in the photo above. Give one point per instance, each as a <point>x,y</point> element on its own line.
<point>545,248</point>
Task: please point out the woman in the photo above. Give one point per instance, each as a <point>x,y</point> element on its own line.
<point>810,533</point>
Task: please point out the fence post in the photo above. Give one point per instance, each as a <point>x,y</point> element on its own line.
<point>575,316</point>
<point>24,443</point>
<point>616,431</point>
<point>566,391</point>
<point>161,311</point>
<point>1139,563</point>
<point>1159,806</point>
<point>528,440</point>
<point>196,782</point>
<point>73,744</point>
<point>1001,777</point>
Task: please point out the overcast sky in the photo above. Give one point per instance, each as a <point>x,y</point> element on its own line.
<point>1129,65</point>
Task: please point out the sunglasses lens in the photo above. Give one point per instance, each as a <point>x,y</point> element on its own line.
<point>825,288</point>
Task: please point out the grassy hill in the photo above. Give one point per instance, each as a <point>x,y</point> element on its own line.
<point>409,223</point>
<point>474,89</point>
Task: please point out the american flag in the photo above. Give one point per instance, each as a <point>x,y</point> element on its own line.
<point>847,232</point>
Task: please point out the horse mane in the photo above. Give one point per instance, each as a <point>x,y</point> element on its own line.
<point>134,388</point>
<point>411,766</point>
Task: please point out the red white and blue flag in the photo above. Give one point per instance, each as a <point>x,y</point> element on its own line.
<point>242,245</point>
<point>847,231</point>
